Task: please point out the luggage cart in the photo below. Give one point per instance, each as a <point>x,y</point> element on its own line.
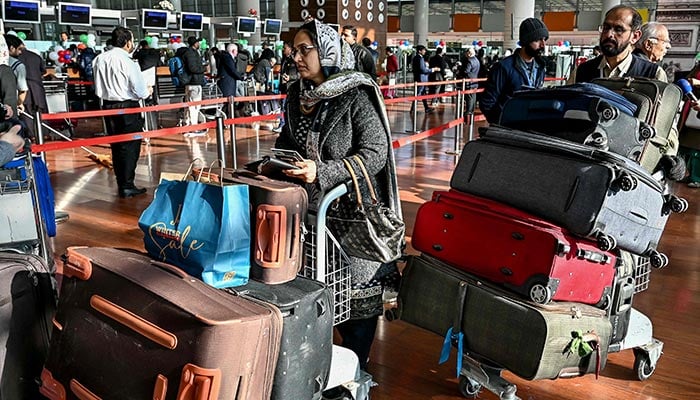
<point>211,91</point>
<point>477,374</point>
<point>57,101</point>
<point>324,259</point>
<point>23,228</point>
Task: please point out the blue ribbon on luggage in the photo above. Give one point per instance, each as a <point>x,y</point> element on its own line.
<point>447,346</point>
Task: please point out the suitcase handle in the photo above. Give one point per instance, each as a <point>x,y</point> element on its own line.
<point>592,256</point>
<point>199,383</point>
<point>171,269</point>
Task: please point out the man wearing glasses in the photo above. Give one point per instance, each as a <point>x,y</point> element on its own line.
<point>620,31</point>
<point>654,42</point>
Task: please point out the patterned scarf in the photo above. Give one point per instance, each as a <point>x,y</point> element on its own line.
<point>4,50</point>
<point>337,60</point>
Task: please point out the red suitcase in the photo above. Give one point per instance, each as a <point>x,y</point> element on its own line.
<point>130,328</point>
<point>510,247</point>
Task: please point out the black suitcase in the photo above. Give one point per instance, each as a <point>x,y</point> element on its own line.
<point>600,118</point>
<point>305,353</point>
<point>657,104</point>
<point>27,306</point>
<point>590,192</point>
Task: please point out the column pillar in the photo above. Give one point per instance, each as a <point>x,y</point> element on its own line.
<point>282,11</point>
<point>420,22</point>
<point>515,12</point>
<point>605,6</point>
<point>243,7</point>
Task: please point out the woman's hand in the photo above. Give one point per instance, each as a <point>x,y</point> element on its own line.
<point>306,171</point>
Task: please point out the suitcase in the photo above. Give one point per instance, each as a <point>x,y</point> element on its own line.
<point>657,104</point>
<point>131,328</point>
<point>438,297</point>
<point>589,192</point>
<point>307,335</point>
<point>27,305</point>
<point>507,246</point>
<point>278,210</point>
<point>584,113</point>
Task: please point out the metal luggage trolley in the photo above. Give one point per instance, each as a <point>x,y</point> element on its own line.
<point>23,229</point>
<point>324,259</point>
<point>57,101</point>
<point>477,374</point>
<point>211,91</point>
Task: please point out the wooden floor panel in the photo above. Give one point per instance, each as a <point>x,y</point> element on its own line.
<point>404,358</point>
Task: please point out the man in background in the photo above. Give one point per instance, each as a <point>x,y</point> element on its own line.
<point>119,83</point>
<point>16,47</point>
<point>420,74</point>
<point>525,68</point>
<point>364,62</point>
<point>192,62</point>
<point>654,42</point>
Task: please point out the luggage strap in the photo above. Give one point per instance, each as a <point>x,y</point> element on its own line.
<point>454,333</point>
<point>583,345</point>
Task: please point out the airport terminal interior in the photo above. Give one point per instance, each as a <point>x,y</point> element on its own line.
<point>404,358</point>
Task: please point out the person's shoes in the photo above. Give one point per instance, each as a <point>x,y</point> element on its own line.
<point>196,133</point>
<point>131,192</point>
<point>694,185</point>
<point>429,110</point>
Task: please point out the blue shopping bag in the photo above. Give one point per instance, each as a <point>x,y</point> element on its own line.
<point>202,228</point>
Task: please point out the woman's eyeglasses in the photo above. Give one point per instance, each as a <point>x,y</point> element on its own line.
<point>618,30</point>
<point>304,50</point>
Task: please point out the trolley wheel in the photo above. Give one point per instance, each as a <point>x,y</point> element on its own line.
<point>642,365</point>
<point>627,182</point>
<point>658,260</point>
<point>390,314</point>
<point>677,204</point>
<point>468,387</point>
<point>540,294</point>
<point>606,242</point>
<point>647,132</point>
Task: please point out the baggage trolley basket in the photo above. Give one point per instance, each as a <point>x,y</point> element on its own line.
<point>325,260</point>
<point>23,229</point>
<point>211,91</point>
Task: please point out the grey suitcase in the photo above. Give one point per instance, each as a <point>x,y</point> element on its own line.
<point>590,192</point>
<point>305,352</point>
<point>437,297</point>
<point>657,104</point>
<point>27,305</point>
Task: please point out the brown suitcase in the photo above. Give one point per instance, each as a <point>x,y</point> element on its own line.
<point>278,210</point>
<point>130,328</point>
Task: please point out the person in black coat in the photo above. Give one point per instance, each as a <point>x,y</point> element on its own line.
<point>228,73</point>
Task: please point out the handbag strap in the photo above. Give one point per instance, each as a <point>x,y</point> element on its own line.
<point>372,193</point>
<point>208,173</point>
<point>355,184</point>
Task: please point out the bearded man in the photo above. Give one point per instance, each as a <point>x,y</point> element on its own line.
<point>619,33</point>
<point>524,69</point>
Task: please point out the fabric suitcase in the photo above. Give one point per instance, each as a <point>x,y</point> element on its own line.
<point>657,104</point>
<point>307,335</point>
<point>438,297</point>
<point>278,210</point>
<point>589,192</point>
<point>584,113</point>
<point>27,305</point>
<point>510,247</point>
<point>130,328</point>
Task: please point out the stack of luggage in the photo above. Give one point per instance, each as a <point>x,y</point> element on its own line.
<point>528,261</point>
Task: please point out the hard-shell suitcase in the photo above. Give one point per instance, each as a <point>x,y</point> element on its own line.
<point>307,335</point>
<point>589,192</point>
<point>584,113</point>
<point>510,247</point>
<point>532,341</point>
<point>657,104</point>
<point>27,305</point>
<point>278,210</point>
<point>130,328</point>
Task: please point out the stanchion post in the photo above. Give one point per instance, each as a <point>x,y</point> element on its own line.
<point>39,131</point>
<point>220,142</point>
<point>414,108</point>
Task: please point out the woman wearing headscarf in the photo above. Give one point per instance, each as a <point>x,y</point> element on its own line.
<point>10,140</point>
<point>334,113</point>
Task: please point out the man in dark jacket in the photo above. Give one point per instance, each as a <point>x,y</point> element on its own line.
<point>228,73</point>
<point>36,95</point>
<point>523,69</point>
<point>192,61</point>
<point>364,62</point>
<point>438,64</point>
<point>421,73</point>
<point>470,70</point>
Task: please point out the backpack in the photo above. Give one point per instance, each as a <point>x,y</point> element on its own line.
<point>179,76</point>
<point>242,60</point>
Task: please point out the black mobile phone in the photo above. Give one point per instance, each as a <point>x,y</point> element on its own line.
<point>276,163</point>
<point>289,156</point>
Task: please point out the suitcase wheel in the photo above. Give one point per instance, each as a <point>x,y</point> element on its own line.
<point>390,314</point>
<point>627,182</point>
<point>658,260</point>
<point>677,204</point>
<point>647,131</point>
<point>606,242</point>
<point>540,293</point>
<point>607,112</point>
<point>469,387</point>
<point>642,364</point>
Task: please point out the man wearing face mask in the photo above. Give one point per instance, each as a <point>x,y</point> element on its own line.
<point>120,84</point>
<point>619,33</point>
<point>523,69</point>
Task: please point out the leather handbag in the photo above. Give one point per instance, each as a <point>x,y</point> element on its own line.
<point>371,231</point>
